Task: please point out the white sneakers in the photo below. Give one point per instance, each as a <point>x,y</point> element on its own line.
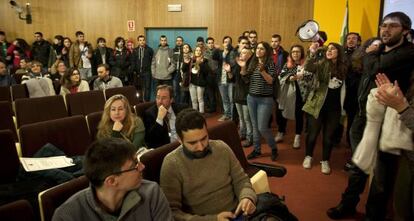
<point>223,118</point>
<point>307,162</point>
<point>296,142</point>
<point>325,168</point>
<point>279,137</point>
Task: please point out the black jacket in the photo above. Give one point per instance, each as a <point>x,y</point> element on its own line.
<point>199,79</point>
<point>97,59</point>
<point>41,52</point>
<point>396,64</point>
<point>155,134</point>
<point>146,60</point>
<point>230,58</point>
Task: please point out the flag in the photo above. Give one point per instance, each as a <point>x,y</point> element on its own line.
<point>345,25</point>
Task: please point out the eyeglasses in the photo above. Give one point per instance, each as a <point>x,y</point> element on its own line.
<point>132,168</point>
<point>389,25</point>
<point>75,73</point>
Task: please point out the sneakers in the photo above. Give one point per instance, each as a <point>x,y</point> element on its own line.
<point>325,168</point>
<point>279,137</point>
<point>274,155</point>
<point>296,142</point>
<point>340,212</point>
<point>307,162</point>
<point>253,155</point>
<point>223,118</point>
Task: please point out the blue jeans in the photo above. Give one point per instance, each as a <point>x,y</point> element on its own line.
<point>176,86</point>
<point>260,109</point>
<point>226,92</point>
<point>245,124</point>
<point>146,85</point>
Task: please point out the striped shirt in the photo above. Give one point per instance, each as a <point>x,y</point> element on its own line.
<point>258,86</point>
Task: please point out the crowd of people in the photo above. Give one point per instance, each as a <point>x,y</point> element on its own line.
<point>316,87</point>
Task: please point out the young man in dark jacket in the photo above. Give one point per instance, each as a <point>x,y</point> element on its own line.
<point>141,65</point>
<point>41,49</point>
<point>395,60</point>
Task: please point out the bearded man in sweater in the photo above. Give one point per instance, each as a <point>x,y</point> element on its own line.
<point>202,179</point>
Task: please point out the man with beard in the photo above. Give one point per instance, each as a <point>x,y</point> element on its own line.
<point>202,179</point>
<point>117,190</point>
<point>395,61</point>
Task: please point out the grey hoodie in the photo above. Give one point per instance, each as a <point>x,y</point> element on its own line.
<point>162,63</point>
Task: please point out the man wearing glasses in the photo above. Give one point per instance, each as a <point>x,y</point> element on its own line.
<point>395,61</point>
<point>117,190</point>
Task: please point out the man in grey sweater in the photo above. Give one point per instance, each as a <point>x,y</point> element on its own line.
<point>202,179</point>
<point>117,190</point>
<point>163,65</point>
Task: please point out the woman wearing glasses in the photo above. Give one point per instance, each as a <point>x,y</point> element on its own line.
<point>119,121</point>
<point>71,82</point>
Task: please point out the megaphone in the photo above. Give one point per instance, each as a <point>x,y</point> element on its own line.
<point>309,31</point>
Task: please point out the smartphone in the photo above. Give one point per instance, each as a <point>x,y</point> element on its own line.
<point>240,217</point>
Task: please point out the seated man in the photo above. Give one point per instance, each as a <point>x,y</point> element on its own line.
<point>202,179</point>
<point>117,190</point>
<point>159,120</point>
<point>38,83</point>
<point>104,80</point>
<point>5,78</point>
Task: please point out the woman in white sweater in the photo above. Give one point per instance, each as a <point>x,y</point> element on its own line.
<point>72,83</point>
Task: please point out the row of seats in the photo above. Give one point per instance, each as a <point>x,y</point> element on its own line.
<point>19,91</point>
<point>14,92</point>
<point>52,198</point>
<point>32,110</point>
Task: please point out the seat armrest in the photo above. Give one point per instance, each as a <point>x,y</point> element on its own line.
<point>271,169</point>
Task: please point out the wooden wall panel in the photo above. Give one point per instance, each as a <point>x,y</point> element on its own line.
<point>108,18</point>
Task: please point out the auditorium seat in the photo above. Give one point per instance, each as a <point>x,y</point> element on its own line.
<point>227,132</point>
<point>130,92</point>
<point>70,134</point>
<point>142,107</point>
<point>32,110</point>
<point>9,163</point>
<point>153,161</point>
<point>5,94</point>
<point>6,119</point>
<point>84,103</point>
<point>52,198</point>
<point>17,211</point>
<point>19,91</point>
<point>93,120</point>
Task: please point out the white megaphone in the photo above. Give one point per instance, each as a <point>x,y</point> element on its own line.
<point>308,31</point>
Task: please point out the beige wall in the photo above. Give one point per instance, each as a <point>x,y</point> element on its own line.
<point>108,18</point>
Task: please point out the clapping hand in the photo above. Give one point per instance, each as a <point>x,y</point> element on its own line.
<point>390,94</point>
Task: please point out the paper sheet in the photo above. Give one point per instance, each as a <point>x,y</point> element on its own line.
<point>45,163</point>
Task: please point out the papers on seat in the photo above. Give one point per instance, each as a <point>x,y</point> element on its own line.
<point>45,163</point>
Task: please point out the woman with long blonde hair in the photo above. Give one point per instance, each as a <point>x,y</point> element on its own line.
<point>119,121</point>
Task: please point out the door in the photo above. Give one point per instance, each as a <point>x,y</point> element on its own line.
<point>190,36</point>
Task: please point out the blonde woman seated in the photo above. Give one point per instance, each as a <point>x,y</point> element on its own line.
<point>71,82</point>
<point>119,121</point>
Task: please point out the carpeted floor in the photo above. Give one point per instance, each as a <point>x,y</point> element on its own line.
<point>308,193</point>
